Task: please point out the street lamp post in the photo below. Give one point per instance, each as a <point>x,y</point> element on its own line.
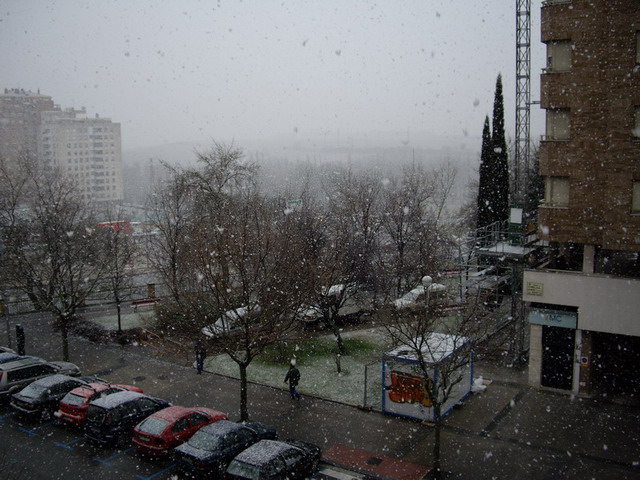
<point>427,281</point>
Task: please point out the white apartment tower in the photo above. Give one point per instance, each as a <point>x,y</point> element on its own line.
<point>85,149</point>
<point>88,150</point>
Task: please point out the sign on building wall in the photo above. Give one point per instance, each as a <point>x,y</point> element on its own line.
<point>535,288</point>
<point>553,318</point>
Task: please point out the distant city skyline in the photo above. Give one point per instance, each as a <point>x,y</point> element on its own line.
<point>300,72</point>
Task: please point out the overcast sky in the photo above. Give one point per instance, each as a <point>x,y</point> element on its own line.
<point>191,71</point>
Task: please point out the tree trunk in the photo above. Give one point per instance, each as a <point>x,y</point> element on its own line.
<point>244,414</point>
<point>342,350</point>
<point>118,308</point>
<point>436,440</point>
<point>64,331</point>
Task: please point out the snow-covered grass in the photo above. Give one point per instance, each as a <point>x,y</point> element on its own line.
<point>129,320</point>
<point>316,360</point>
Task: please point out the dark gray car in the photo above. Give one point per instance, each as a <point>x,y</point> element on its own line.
<point>273,460</point>
<point>40,398</point>
<point>17,374</point>
<point>211,449</point>
<point>111,419</point>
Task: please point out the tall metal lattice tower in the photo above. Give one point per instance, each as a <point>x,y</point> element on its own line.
<point>523,97</point>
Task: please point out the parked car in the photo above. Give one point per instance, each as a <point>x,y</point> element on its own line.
<point>40,398</point>
<point>230,321</point>
<point>111,419</point>
<point>17,374</point>
<point>6,357</point>
<point>212,447</point>
<point>6,350</point>
<point>172,426</point>
<point>274,460</point>
<point>74,405</point>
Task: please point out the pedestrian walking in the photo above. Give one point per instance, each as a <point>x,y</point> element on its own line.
<point>201,354</point>
<point>20,339</point>
<point>293,377</point>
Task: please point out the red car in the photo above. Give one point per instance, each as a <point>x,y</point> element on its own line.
<point>170,427</point>
<point>73,407</point>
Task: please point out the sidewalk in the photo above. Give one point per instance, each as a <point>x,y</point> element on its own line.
<point>508,431</point>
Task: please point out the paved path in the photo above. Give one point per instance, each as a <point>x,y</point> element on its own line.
<point>508,431</point>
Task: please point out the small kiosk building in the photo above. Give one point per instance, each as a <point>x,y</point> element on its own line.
<point>405,391</point>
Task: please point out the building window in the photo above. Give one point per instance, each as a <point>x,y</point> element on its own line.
<point>635,197</point>
<point>556,191</point>
<point>557,125</point>
<point>559,56</point>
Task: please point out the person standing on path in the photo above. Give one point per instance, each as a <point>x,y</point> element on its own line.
<point>201,354</point>
<point>20,337</point>
<point>293,377</point>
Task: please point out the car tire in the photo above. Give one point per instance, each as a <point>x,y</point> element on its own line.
<point>122,441</point>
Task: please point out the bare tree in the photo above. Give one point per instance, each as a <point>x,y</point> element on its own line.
<point>404,213</point>
<point>171,214</point>
<point>438,343</point>
<point>343,268</point>
<point>119,250</point>
<point>256,272</point>
<point>52,252</point>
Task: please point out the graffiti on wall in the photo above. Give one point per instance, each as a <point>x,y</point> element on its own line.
<point>408,388</point>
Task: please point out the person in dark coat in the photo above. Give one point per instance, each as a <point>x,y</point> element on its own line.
<point>293,377</point>
<point>20,337</point>
<point>201,354</point>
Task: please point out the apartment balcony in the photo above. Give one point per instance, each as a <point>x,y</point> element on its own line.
<point>557,89</point>
<point>557,20</point>
<point>605,303</point>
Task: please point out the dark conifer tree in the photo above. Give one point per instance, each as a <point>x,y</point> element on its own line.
<point>484,182</point>
<point>500,171</point>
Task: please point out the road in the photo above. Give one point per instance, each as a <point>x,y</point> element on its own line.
<point>509,431</point>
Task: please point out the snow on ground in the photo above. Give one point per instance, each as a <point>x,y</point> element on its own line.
<point>319,376</point>
<point>129,320</point>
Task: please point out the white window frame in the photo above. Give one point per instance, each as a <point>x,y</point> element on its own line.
<point>556,192</point>
<point>635,197</point>
<point>559,56</point>
<point>558,124</point>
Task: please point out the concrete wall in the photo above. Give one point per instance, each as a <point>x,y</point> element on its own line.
<point>605,304</point>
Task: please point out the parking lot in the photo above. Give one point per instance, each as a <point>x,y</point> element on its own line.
<point>509,431</point>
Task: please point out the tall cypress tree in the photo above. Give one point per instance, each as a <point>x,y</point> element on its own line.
<point>484,183</point>
<point>500,170</point>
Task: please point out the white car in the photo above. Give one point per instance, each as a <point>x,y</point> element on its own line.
<point>228,322</point>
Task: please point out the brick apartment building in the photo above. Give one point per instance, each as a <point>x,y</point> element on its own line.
<point>85,149</point>
<point>584,302</point>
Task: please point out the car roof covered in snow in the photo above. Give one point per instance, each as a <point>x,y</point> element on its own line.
<point>55,379</point>
<point>263,451</point>
<point>115,399</point>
